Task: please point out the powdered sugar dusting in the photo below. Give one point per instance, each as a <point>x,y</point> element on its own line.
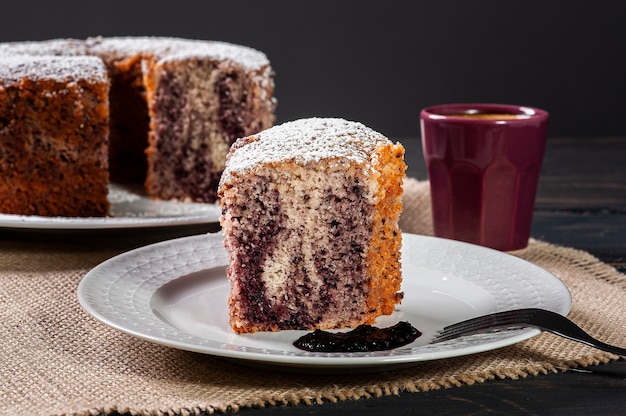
<point>14,68</point>
<point>170,48</point>
<point>303,141</point>
<point>131,201</point>
<point>243,55</point>
<point>162,48</point>
<point>55,47</point>
<point>121,47</point>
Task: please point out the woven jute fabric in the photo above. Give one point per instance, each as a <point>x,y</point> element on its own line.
<point>57,359</point>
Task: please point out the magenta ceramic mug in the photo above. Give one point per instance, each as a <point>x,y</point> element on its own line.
<point>483,164</point>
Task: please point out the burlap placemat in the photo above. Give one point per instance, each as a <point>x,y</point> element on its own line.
<point>56,359</point>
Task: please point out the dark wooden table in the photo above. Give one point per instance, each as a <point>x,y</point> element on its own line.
<point>581,203</point>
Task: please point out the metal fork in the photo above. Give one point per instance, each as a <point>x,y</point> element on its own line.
<point>521,318</point>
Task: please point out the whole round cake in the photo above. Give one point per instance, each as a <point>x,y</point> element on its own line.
<point>310,213</point>
<point>172,109</point>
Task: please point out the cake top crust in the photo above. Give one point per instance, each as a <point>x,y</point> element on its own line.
<point>304,141</point>
<point>171,48</point>
<point>127,46</point>
<point>56,47</point>
<point>162,48</point>
<point>13,68</point>
<point>248,57</point>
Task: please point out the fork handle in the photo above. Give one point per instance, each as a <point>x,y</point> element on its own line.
<point>544,319</point>
<point>528,317</point>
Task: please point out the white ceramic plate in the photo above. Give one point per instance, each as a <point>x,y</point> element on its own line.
<point>130,208</point>
<point>174,293</point>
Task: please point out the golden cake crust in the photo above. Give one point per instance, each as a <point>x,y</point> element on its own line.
<point>53,136</point>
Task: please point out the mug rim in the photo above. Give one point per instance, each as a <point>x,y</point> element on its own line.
<point>438,112</point>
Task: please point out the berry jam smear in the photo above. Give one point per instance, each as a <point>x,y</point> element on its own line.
<point>363,338</point>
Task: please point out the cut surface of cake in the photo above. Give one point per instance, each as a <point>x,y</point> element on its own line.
<point>178,105</point>
<point>310,213</point>
<point>54,123</point>
<point>198,102</point>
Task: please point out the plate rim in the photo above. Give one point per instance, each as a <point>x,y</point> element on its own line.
<point>38,222</point>
<point>330,360</point>
<point>34,222</point>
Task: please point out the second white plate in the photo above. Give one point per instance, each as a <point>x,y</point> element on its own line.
<point>174,293</point>
<point>130,208</point>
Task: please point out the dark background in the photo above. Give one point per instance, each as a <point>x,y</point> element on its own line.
<point>380,62</point>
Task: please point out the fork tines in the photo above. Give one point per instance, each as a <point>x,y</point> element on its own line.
<point>512,319</point>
